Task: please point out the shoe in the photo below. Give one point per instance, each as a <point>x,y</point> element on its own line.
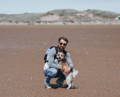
<point>60,85</point>
<point>47,85</point>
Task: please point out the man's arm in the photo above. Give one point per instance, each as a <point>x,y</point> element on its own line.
<point>50,58</point>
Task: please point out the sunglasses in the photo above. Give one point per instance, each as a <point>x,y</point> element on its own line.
<point>64,44</point>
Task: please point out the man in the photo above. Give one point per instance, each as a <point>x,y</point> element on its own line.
<point>53,69</point>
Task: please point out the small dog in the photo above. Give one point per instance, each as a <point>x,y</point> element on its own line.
<point>73,72</point>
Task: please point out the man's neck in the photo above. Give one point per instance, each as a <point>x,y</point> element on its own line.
<point>60,49</point>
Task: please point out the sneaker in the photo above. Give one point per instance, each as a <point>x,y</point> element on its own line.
<point>60,85</point>
<point>47,85</point>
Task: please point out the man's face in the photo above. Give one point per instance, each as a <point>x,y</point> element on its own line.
<point>62,44</point>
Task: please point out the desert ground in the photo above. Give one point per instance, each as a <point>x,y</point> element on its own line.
<point>95,51</point>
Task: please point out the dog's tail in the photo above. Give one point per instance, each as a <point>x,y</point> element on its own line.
<point>75,73</point>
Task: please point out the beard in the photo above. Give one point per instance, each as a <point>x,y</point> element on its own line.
<point>61,47</point>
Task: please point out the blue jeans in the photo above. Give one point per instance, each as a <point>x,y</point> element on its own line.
<point>54,73</point>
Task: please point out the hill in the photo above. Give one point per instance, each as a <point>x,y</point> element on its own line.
<point>62,16</point>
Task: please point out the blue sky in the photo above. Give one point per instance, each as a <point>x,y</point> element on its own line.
<point>38,6</point>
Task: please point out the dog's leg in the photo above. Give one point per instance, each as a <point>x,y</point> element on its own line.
<point>69,80</point>
<point>69,86</point>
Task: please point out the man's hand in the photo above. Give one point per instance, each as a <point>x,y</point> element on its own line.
<point>66,69</point>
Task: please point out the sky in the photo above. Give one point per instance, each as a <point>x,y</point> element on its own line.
<point>42,6</point>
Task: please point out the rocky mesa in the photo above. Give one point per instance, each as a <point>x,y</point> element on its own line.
<point>62,16</point>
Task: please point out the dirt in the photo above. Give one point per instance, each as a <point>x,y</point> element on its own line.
<point>95,51</point>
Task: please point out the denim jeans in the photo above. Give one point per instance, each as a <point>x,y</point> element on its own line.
<point>54,73</point>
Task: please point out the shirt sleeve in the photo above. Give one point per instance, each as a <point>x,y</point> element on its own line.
<point>69,60</point>
<point>50,58</point>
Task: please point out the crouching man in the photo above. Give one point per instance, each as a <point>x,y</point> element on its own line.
<point>52,69</point>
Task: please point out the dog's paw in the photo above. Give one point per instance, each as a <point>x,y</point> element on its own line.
<point>69,87</point>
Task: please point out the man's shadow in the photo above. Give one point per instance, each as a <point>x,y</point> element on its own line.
<point>55,86</point>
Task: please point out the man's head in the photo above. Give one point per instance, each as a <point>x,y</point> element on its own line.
<point>63,41</point>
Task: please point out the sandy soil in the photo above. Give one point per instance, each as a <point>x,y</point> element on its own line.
<point>95,51</point>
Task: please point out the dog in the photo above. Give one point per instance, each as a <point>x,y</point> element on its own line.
<point>69,76</point>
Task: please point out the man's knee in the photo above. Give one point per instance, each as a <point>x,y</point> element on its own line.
<point>50,72</point>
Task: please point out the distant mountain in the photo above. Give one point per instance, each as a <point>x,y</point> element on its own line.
<point>63,12</point>
<point>104,14</point>
<point>20,17</point>
<point>61,16</point>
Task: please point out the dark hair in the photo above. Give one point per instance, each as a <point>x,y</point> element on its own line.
<point>64,38</point>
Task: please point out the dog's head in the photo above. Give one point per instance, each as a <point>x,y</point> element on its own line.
<point>60,56</point>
